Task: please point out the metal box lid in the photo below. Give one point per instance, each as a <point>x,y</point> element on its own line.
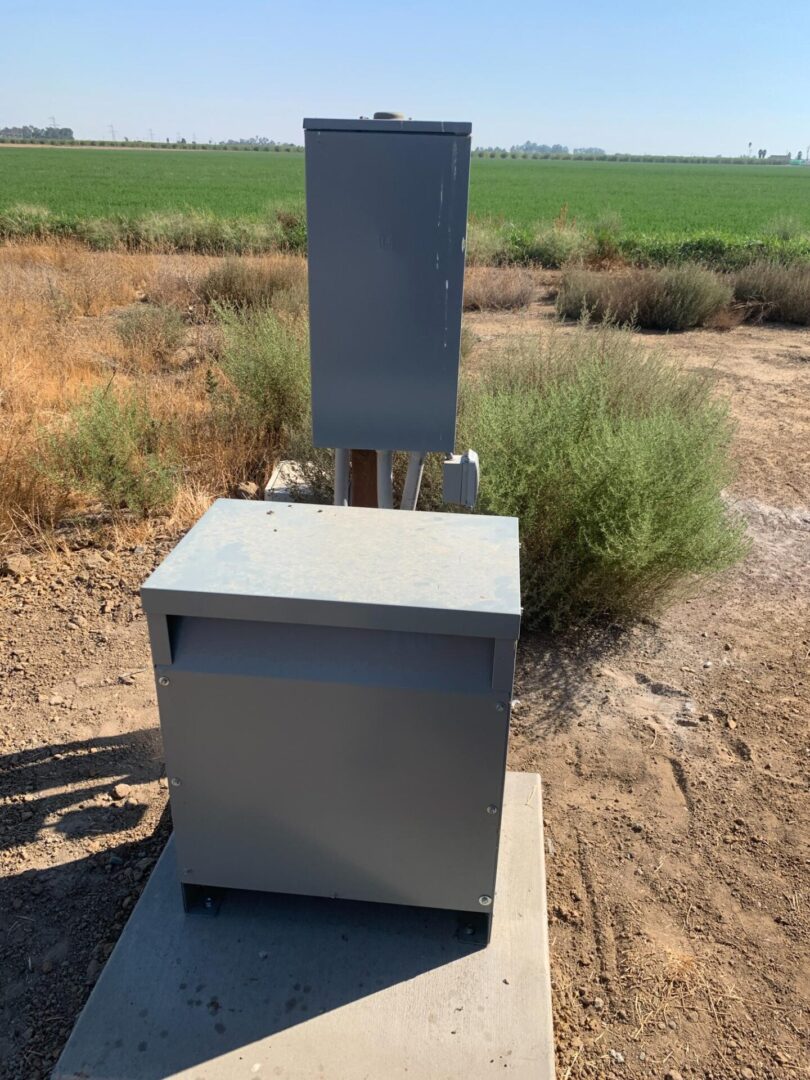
<point>407,127</point>
<point>345,566</point>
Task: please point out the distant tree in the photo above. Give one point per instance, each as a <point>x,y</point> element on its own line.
<point>540,148</point>
<point>28,133</point>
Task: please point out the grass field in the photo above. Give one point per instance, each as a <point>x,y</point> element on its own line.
<point>655,199</point>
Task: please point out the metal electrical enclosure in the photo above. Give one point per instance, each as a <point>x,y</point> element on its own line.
<point>386,228</point>
<point>334,687</point>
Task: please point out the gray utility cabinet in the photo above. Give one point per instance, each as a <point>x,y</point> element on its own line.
<point>334,687</point>
<point>386,229</point>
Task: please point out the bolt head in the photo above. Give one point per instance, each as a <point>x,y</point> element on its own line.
<point>485,900</point>
<point>499,706</point>
<point>164,680</point>
<point>492,809</point>
<point>176,781</point>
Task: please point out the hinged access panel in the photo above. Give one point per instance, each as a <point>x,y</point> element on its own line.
<point>386,224</point>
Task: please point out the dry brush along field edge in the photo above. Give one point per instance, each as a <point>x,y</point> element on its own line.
<point>674,755</point>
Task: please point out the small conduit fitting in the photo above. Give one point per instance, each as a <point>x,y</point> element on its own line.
<point>385,479</point>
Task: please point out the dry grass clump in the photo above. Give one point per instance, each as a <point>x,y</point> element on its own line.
<point>150,335</point>
<point>670,298</point>
<point>251,283</point>
<point>665,983</point>
<point>65,279</point>
<point>497,288</point>
<point>122,392</point>
<point>775,292</point>
<point>173,285</point>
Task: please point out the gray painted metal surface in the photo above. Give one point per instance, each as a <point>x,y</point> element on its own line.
<point>334,688</point>
<point>288,987</point>
<point>354,791</point>
<point>344,566</point>
<point>406,127</point>
<point>386,224</point>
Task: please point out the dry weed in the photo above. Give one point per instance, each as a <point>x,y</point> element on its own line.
<point>255,282</point>
<point>666,982</point>
<point>489,288</point>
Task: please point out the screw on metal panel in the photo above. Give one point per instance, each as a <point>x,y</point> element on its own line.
<point>164,680</point>
<point>492,809</point>
<point>484,901</point>
<point>176,781</point>
<point>499,706</point>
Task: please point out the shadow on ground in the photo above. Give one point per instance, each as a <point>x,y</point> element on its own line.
<point>71,876</point>
<point>66,787</point>
<point>554,675</point>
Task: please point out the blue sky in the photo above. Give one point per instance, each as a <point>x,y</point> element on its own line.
<point>648,77</point>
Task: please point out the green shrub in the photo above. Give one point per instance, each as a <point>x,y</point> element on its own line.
<point>293,226</point>
<point>605,235</point>
<point>150,334</point>
<point>714,250</point>
<point>240,284</point>
<point>775,292</point>
<point>486,244</point>
<point>102,234</point>
<point>557,245</point>
<point>614,462</point>
<point>518,245</point>
<point>265,361</point>
<point>24,222</point>
<point>110,450</point>
<point>671,298</point>
<point>785,227</point>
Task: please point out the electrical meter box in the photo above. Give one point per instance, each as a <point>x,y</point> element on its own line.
<point>386,232</point>
<point>334,687</point>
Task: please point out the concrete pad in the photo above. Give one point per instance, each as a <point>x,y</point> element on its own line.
<point>300,988</point>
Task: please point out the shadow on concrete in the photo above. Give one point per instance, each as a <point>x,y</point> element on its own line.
<point>182,990</point>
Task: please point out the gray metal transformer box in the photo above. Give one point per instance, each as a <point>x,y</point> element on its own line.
<point>334,688</point>
<point>386,229</point>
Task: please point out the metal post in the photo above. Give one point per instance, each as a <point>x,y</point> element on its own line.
<point>385,479</point>
<point>341,477</point>
<point>413,480</point>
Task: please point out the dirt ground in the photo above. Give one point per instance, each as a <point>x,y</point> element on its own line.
<point>675,759</point>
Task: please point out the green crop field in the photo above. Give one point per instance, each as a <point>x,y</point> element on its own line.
<point>655,199</point>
